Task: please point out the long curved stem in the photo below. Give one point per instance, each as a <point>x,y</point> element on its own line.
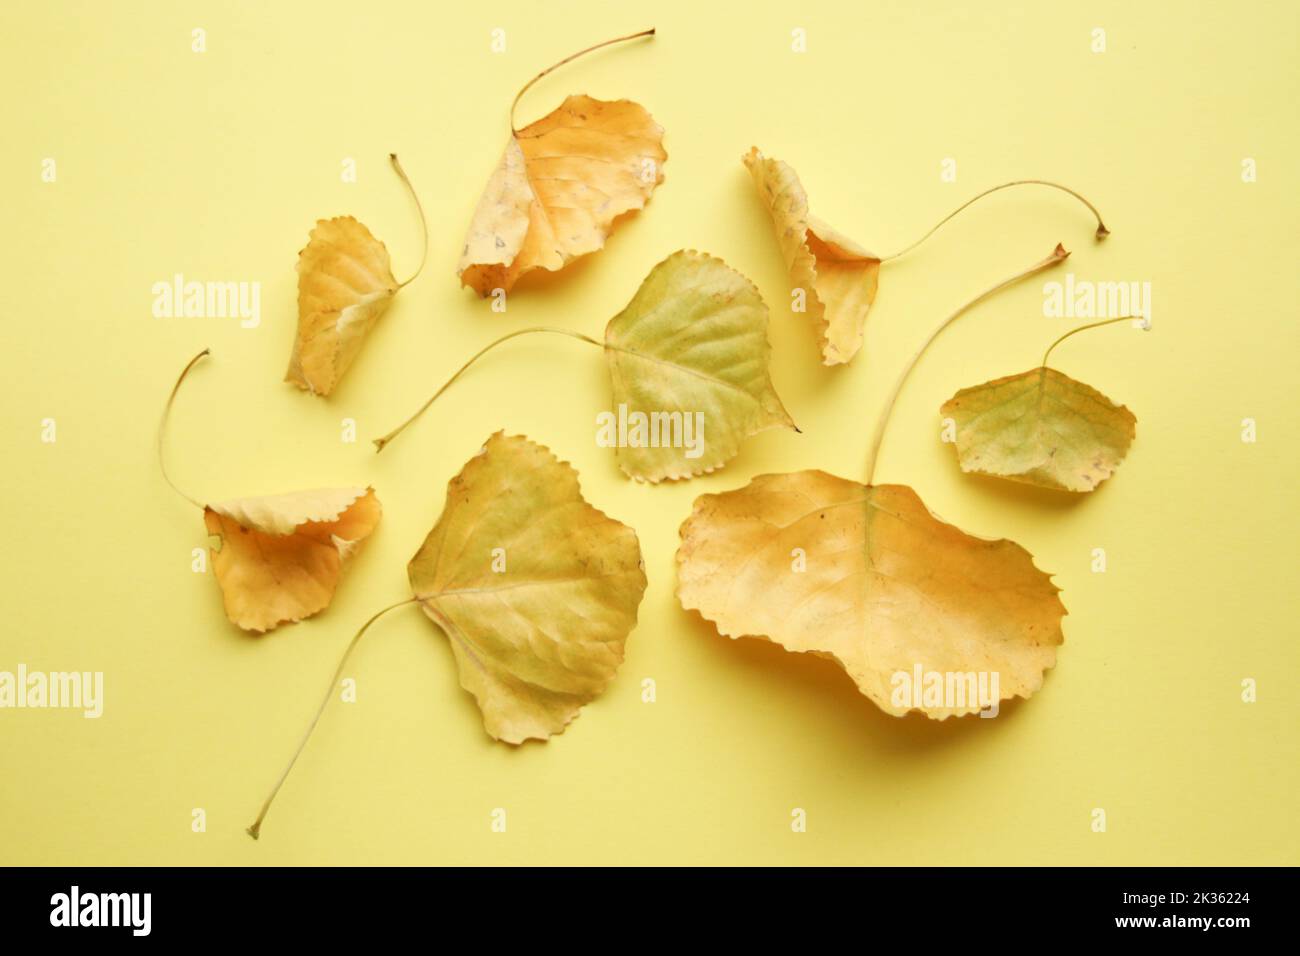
<point>381,442</point>
<point>569,59</point>
<point>1102,231</point>
<point>424,225</point>
<point>162,429</point>
<point>256,829</point>
<point>1058,255</point>
<point>1083,328</point>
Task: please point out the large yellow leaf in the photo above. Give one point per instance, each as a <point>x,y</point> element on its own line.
<point>867,576</point>
<point>281,555</point>
<point>691,347</point>
<point>536,589</point>
<point>345,283</point>
<point>1041,427</point>
<point>838,277</point>
<point>560,185</point>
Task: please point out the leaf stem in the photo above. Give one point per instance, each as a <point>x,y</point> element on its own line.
<point>1083,328</point>
<point>569,59</point>
<point>162,429</point>
<point>1102,231</point>
<point>381,442</point>
<point>1058,255</point>
<point>256,829</point>
<point>424,225</point>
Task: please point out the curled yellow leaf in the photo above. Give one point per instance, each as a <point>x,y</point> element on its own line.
<point>865,575</point>
<point>834,279</point>
<point>345,283</point>
<point>838,278</point>
<point>281,556</point>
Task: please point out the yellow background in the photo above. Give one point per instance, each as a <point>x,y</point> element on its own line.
<point>216,165</point>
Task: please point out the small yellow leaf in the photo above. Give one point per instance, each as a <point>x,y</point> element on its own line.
<point>536,589</point>
<point>281,555</point>
<point>881,586</point>
<point>345,283</point>
<point>838,277</point>
<point>1040,427</point>
<point>691,347</point>
<point>560,185</point>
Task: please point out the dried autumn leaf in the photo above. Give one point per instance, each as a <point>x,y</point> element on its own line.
<point>1042,427</point>
<point>864,574</point>
<point>345,283</point>
<point>693,341</point>
<point>838,277</point>
<point>536,589</point>
<point>886,586</point>
<point>688,365</point>
<point>280,556</point>
<point>560,185</point>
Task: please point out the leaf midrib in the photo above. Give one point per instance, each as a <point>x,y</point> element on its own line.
<point>681,368</point>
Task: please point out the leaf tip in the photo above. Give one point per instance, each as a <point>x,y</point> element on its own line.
<point>1060,252</point>
<point>254,831</point>
<point>1102,231</point>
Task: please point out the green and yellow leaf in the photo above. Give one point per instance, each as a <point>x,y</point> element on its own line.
<point>1042,428</point>
<point>535,589</point>
<point>691,347</point>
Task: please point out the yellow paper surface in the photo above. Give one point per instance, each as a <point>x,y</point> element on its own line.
<point>215,165</point>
